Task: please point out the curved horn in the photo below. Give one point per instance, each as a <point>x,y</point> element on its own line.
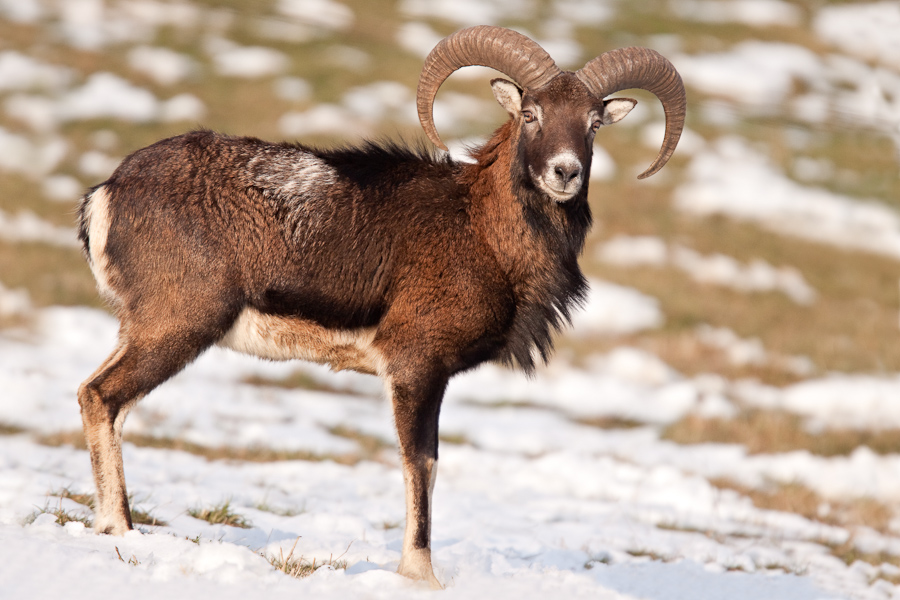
<point>505,50</point>
<point>645,69</point>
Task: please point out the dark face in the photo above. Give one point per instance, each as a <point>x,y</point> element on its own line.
<point>557,126</point>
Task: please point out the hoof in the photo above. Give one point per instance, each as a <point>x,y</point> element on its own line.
<point>110,528</point>
<point>416,565</point>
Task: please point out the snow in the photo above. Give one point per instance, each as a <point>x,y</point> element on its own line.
<point>33,158</point>
<point>94,24</point>
<point>417,37</point>
<point>870,31</point>
<point>614,309</point>
<point>246,62</point>
<point>97,165</point>
<point>381,100</point>
<point>756,13</point>
<point>835,401</point>
<point>322,14</point>
<point>761,77</point>
<point>732,178</point>
<point>532,502</point>
<point>603,167</point>
<point>182,107</point>
<point>586,12</point>
<point>21,11</point>
<point>13,302</point>
<point>21,72</point>
<point>689,144</point>
<point>163,65</point>
<point>293,89</point>
<point>108,95</point>
<point>466,13</point>
<point>103,95</point>
<point>572,496</point>
<point>62,188</point>
<point>320,119</point>
<point>717,269</point>
<point>742,352</point>
<point>752,72</point>
<point>25,226</point>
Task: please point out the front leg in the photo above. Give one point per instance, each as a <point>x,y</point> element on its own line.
<point>416,399</point>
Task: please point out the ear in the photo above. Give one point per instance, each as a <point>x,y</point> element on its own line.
<point>615,110</point>
<point>509,95</point>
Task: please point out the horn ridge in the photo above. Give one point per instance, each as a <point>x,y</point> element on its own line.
<point>641,68</point>
<point>513,54</point>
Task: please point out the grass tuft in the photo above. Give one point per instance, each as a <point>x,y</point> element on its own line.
<point>62,516</point>
<point>221,514</point>
<point>264,506</point>
<point>138,516</point>
<point>778,431</point>
<point>300,567</point>
<point>83,499</point>
<point>7,429</point>
<point>801,500</point>
<point>133,561</point>
<point>296,380</point>
<point>371,447</point>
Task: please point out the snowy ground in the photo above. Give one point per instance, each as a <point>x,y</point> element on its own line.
<point>529,502</point>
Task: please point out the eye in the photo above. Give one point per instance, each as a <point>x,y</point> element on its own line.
<point>528,116</point>
<point>596,125</point>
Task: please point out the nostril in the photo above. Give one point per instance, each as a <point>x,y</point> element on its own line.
<point>567,174</point>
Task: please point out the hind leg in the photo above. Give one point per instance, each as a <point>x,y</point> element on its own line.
<point>136,367</point>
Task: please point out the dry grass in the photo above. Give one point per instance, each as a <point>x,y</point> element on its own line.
<point>371,447</point>
<point>51,275</point>
<point>300,567</point>
<point>852,327</point>
<point>138,515</point>
<point>803,501</point>
<point>609,422</point>
<point>280,511</point>
<point>220,514</point>
<point>684,352</point>
<point>848,553</point>
<point>774,431</point>
<point>62,516</point>
<point>7,429</point>
<point>83,499</point>
<point>133,561</point>
<point>297,380</point>
<point>457,439</point>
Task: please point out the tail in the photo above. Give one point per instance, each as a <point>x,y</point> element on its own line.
<point>93,229</point>
<point>84,222</point>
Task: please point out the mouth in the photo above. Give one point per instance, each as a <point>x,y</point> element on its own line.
<point>559,195</point>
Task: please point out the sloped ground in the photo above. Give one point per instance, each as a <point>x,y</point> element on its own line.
<point>722,422</point>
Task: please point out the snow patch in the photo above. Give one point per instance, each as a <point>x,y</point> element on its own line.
<point>756,13</point>
<point>467,13</point>
<point>717,269</point>
<point>752,72</point>
<point>14,302</point>
<point>870,31</point>
<point>321,14</point>
<point>246,62</point>
<point>19,154</point>
<point>25,226</point>
<point>734,179</point>
<point>21,72</point>
<point>603,167</point>
<point>613,309</point>
<point>164,66</point>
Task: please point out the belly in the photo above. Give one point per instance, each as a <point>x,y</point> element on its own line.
<point>284,338</point>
